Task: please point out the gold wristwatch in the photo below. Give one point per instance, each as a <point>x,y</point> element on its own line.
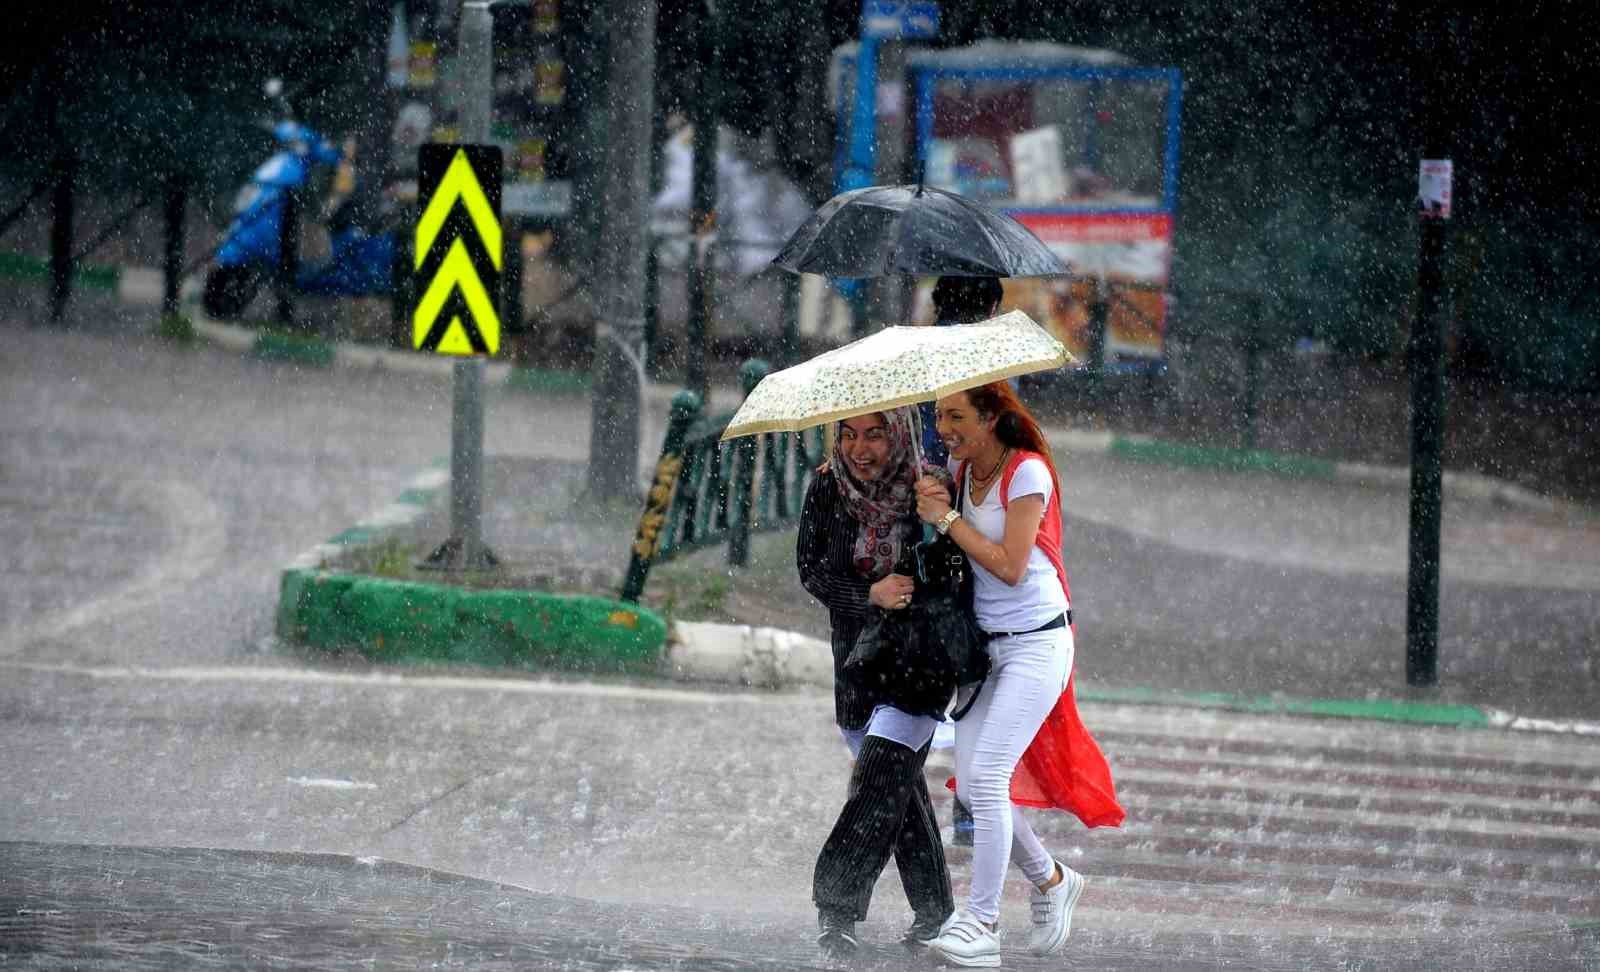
<point>944,522</point>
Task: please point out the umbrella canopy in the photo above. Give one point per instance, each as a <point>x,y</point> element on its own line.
<point>896,366</point>
<point>914,229</point>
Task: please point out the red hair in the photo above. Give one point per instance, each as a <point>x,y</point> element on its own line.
<point>1014,425</point>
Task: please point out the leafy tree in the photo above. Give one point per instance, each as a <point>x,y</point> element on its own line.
<point>140,92</point>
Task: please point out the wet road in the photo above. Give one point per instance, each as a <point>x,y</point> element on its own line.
<point>1208,581</point>
<point>1260,841</point>
<point>148,498</point>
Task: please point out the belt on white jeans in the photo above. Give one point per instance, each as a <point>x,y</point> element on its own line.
<point>1061,620</point>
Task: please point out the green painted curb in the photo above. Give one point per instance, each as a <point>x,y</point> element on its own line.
<point>405,621</point>
<point>23,267</point>
<point>277,346</point>
<point>1419,713</point>
<point>1230,460</point>
<point>548,381</point>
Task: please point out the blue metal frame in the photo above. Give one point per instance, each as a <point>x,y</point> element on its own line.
<point>855,149</point>
<point>861,151</point>
<point>926,78</point>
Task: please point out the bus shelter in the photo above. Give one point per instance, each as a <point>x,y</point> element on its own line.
<point>1080,145</point>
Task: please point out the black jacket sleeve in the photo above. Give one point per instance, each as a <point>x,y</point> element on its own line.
<point>822,552</point>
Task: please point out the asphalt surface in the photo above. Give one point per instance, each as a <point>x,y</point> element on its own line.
<point>661,822</point>
<point>180,789</point>
<point>1204,580</point>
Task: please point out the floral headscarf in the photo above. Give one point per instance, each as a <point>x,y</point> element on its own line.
<point>885,507</point>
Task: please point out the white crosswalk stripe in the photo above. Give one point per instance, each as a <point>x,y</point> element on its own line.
<point>1329,829</point>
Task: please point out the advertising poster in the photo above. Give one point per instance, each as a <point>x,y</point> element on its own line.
<point>1131,252</point>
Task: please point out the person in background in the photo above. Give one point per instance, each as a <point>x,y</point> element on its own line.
<point>957,300</point>
<point>1021,742</point>
<point>858,519</point>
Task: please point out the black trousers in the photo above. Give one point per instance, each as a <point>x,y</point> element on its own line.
<point>888,812</point>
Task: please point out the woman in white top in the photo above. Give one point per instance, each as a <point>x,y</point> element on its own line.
<point>1010,528</point>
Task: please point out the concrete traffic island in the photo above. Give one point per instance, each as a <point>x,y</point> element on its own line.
<point>399,621</point>
<point>361,591</point>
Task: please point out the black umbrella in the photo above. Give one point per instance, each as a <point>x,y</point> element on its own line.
<point>914,229</point>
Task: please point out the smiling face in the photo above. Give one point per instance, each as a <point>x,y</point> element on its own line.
<point>966,432</point>
<point>864,441</point>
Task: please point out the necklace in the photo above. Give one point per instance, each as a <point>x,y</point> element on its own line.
<point>984,480</point>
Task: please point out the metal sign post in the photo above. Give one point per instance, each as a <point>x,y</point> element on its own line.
<point>458,258</point>
<point>1425,363</point>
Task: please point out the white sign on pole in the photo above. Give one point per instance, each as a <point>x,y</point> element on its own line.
<point>549,198</point>
<point>899,20</point>
<point>1433,189</point>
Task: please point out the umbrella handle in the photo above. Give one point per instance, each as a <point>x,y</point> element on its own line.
<point>928,533</point>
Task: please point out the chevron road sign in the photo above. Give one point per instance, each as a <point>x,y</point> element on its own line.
<point>458,252</point>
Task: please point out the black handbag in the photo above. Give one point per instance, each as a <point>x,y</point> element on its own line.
<point>919,656</point>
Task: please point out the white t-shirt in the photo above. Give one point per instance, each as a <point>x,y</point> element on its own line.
<point>1038,597</point>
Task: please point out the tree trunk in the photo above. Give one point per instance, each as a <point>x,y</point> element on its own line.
<point>624,241</point>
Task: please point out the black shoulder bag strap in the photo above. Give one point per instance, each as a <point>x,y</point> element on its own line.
<point>965,597</point>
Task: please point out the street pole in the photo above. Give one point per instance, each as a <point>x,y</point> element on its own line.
<point>61,222</point>
<point>1252,368</point>
<point>174,205</point>
<point>1425,366</point>
<point>1099,314</point>
<point>624,242</point>
<point>288,255</point>
<point>466,428</point>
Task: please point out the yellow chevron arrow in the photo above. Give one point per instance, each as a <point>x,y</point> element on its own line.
<point>456,271</point>
<point>458,183</point>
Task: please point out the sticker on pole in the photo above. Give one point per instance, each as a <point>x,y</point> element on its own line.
<point>1433,189</point>
<point>457,250</point>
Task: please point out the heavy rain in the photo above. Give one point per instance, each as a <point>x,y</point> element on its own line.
<point>494,483</point>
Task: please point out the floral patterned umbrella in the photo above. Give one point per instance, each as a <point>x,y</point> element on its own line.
<point>898,365</point>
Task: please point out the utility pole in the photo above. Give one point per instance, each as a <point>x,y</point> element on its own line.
<point>1425,365</point>
<point>624,242</point>
<point>62,175</point>
<point>174,206</point>
<point>62,205</point>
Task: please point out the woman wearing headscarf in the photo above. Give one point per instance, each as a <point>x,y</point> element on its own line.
<point>858,521</point>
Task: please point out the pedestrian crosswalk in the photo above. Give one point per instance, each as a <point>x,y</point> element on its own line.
<point>1290,828</point>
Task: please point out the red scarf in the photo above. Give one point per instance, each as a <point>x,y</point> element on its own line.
<point>1063,768</point>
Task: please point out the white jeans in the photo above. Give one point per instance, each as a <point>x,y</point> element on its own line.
<point>1029,674</point>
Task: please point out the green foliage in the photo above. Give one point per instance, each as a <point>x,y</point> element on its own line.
<point>143,91</point>
<point>177,328</point>
<point>1526,311</point>
<point>693,589</point>
<point>390,558</point>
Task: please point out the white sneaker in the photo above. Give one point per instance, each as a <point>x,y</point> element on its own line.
<point>1052,912</point>
<point>967,942</point>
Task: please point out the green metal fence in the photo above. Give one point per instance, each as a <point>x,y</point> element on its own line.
<point>707,492</point>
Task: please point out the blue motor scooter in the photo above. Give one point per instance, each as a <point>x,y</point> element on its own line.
<point>361,258</point>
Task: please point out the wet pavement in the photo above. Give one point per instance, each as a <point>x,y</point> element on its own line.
<point>85,906</point>
<point>178,789</point>
<point>654,827</point>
